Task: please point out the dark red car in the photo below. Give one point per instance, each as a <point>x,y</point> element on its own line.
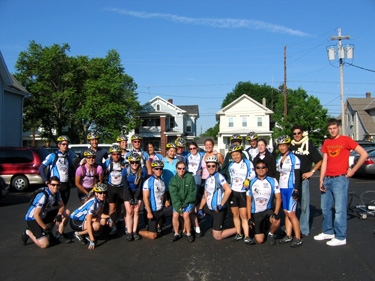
<point>19,166</point>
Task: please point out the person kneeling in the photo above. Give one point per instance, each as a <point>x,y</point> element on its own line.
<point>260,196</point>
<point>46,210</point>
<point>89,217</point>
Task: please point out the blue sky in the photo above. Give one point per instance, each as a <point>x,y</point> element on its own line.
<point>195,52</point>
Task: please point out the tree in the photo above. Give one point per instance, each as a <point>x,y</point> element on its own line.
<point>70,94</point>
<point>303,110</point>
<point>255,91</point>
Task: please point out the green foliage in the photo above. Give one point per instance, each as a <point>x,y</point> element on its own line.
<point>212,132</point>
<point>255,91</point>
<point>303,110</point>
<point>72,94</point>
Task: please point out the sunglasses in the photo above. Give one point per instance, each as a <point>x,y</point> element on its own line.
<point>64,144</point>
<point>136,141</point>
<point>211,166</point>
<point>297,133</point>
<point>180,168</point>
<point>100,192</point>
<point>55,184</point>
<point>132,163</point>
<point>193,148</point>
<point>158,169</point>
<point>90,157</point>
<point>115,154</point>
<point>260,167</point>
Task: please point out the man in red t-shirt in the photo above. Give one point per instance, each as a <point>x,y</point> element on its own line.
<point>334,182</point>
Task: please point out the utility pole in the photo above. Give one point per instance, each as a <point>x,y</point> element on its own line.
<point>285,98</point>
<point>342,53</point>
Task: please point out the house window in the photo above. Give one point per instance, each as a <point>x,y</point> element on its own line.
<point>172,123</point>
<point>244,121</point>
<point>188,127</point>
<point>230,122</point>
<point>259,121</point>
<point>158,107</point>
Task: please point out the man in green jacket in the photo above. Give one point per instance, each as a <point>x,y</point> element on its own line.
<point>183,191</point>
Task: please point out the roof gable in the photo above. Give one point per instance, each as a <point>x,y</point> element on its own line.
<point>242,104</point>
<point>4,73</point>
<point>151,105</point>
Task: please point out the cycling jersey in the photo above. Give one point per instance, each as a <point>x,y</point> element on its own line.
<point>253,151</point>
<point>214,190</point>
<point>287,170</point>
<point>156,187</point>
<point>194,163</point>
<point>38,202</point>
<point>239,172</point>
<point>59,167</point>
<point>262,193</point>
<point>114,172</point>
<point>91,207</point>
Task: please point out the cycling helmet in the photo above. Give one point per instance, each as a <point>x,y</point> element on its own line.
<point>122,138</point>
<point>180,142</point>
<point>63,138</point>
<point>283,140</point>
<point>170,145</point>
<point>115,148</point>
<point>134,157</point>
<point>251,136</point>
<point>89,153</point>
<point>236,138</point>
<point>92,136</point>
<point>157,164</point>
<point>236,147</point>
<point>136,137</point>
<point>212,159</point>
<point>100,187</point>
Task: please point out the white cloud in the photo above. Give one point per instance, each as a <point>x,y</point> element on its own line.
<point>216,23</point>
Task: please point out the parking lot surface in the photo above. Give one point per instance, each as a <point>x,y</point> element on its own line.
<point>204,259</point>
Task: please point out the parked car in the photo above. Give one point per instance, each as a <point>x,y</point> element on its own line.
<point>19,166</point>
<point>4,188</point>
<point>368,167</point>
<point>353,153</point>
<point>79,148</point>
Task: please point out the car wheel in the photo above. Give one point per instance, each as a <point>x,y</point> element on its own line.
<point>20,183</point>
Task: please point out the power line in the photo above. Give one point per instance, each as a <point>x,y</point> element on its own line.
<point>360,67</point>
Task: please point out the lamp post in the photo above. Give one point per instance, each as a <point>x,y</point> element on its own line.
<point>342,52</point>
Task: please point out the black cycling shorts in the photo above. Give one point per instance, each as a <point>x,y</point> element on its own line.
<point>36,229</point>
<point>115,194</point>
<point>237,199</point>
<point>218,218</point>
<point>153,223</point>
<point>262,221</point>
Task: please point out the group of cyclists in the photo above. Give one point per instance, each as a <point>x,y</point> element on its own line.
<point>184,185</point>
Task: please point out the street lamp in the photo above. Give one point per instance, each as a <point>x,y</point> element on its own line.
<point>342,52</point>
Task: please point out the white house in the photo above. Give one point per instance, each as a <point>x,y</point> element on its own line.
<point>241,117</point>
<point>12,94</point>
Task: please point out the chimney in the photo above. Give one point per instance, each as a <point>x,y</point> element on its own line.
<point>264,102</point>
<point>170,101</point>
<point>368,95</point>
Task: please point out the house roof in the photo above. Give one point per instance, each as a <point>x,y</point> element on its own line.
<point>190,109</point>
<point>10,83</point>
<point>239,100</point>
<point>362,106</point>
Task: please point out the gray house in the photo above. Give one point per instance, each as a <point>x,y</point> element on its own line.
<point>360,118</point>
<point>12,94</point>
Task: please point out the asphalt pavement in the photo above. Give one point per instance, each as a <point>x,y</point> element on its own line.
<point>115,258</point>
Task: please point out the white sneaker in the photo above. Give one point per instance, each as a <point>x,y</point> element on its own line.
<point>323,236</point>
<point>336,242</point>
